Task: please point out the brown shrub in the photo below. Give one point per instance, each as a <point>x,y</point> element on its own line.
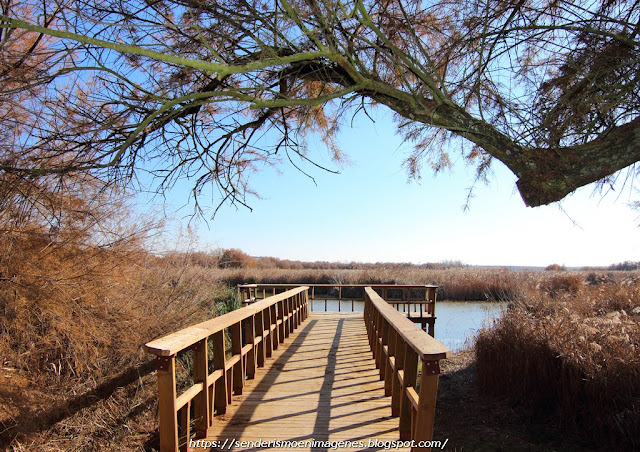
<point>235,258</point>
<point>575,357</point>
<point>562,284</point>
<point>75,319</point>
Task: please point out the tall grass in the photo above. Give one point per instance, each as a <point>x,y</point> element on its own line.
<point>571,352</point>
<point>456,284</point>
<point>74,320</point>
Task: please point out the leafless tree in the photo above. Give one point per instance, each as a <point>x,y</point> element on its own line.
<point>210,89</point>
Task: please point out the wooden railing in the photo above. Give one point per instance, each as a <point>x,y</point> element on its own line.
<point>219,370</point>
<point>417,302</point>
<point>402,350</point>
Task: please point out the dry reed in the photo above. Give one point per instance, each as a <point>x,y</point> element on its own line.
<point>73,325</point>
<point>572,353</point>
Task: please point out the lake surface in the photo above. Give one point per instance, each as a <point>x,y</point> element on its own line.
<point>456,322</point>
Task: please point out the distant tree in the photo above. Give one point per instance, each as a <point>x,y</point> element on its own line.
<point>556,267</point>
<point>185,88</point>
<point>625,266</point>
<point>235,258</point>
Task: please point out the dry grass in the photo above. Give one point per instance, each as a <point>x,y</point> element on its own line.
<point>574,355</point>
<point>71,334</point>
<point>75,316</point>
<point>455,284</point>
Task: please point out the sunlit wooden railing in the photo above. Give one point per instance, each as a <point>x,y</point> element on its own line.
<point>402,350</point>
<point>220,365</point>
<point>417,302</point>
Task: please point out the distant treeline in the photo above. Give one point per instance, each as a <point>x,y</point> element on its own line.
<point>625,266</point>
<point>236,258</point>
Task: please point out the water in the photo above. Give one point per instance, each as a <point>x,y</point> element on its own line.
<point>456,322</point>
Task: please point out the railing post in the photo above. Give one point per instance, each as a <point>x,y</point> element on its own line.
<point>166,366</point>
<point>219,363</point>
<point>377,329</point>
<point>201,401</point>
<point>384,354</point>
<point>287,318</point>
<point>409,381</point>
<point>273,314</point>
<point>268,339</point>
<point>390,371</point>
<point>396,385</point>
<point>236,350</point>
<point>261,352</point>
<point>281,318</point>
<point>365,315</point>
<point>294,312</point>
<point>405,300</point>
<point>249,338</point>
<point>304,299</point>
<point>184,415</point>
<point>432,309</point>
<point>427,403</point>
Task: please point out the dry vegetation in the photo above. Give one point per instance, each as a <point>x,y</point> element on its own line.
<point>79,296</point>
<point>74,375</point>
<point>76,312</point>
<point>456,283</point>
<point>574,356</point>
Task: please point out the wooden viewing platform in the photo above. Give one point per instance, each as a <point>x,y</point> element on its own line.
<point>417,302</point>
<point>285,374</point>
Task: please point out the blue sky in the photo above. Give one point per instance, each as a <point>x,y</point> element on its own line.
<point>372,213</point>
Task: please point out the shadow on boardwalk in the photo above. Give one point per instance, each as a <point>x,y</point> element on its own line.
<point>324,387</point>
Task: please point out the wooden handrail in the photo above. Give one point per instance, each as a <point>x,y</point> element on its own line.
<point>396,286</point>
<point>400,348</point>
<point>255,331</point>
<point>180,340</point>
<point>424,345</point>
<point>422,306</point>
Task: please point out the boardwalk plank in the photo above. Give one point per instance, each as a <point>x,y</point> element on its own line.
<point>322,385</point>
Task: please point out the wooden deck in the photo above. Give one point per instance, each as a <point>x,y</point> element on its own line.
<point>323,386</point>
<point>298,381</point>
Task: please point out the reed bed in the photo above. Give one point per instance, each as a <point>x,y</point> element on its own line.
<point>454,284</point>
<point>573,354</point>
<point>74,319</point>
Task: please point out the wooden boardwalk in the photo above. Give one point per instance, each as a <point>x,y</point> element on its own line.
<point>323,386</point>
<point>272,376</point>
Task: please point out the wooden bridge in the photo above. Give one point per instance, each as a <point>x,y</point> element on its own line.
<point>418,302</point>
<point>275,374</point>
